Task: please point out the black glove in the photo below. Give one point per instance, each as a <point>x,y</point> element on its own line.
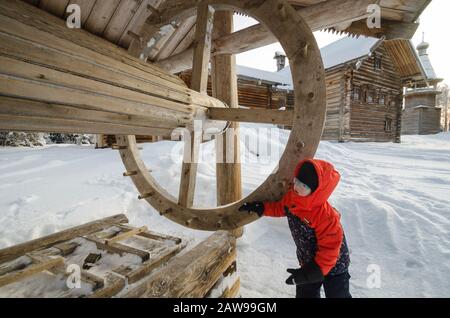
<point>308,274</point>
<point>257,207</point>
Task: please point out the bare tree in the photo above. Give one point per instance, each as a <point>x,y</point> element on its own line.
<point>443,100</point>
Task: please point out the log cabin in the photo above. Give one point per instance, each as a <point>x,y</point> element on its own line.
<point>365,78</point>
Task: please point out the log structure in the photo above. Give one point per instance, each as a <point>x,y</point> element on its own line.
<point>55,78</point>
<point>158,263</point>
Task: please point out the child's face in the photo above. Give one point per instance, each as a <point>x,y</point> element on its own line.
<point>301,189</point>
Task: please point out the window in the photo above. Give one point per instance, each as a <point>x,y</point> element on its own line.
<point>356,94</point>
<point>377,63</point>
<point>383,99</point>
<point>388,125</point>
<point>371,96</point>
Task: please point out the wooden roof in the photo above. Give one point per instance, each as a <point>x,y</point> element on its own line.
<point>121,21</point>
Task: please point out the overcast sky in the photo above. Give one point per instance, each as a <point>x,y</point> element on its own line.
<point>435,22</point>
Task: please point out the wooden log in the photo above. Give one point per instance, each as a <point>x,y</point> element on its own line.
<point>43,61</point>
<point>192,274</point>
<point>13,252</point>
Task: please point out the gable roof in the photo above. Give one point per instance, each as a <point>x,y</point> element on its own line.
<point>274,78</point>
<point>348,50</point>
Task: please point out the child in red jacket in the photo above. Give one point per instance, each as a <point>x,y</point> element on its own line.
<point>315,225</point>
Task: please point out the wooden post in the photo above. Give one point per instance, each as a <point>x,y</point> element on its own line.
<point>224,83</point>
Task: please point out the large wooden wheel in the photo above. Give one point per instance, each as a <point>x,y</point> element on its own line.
<point>308,121</point>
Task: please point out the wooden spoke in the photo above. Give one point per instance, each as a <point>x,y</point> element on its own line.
<point>192,141</point>
<point>263,116</point>
<point>202,50</point>
<point>193,138</point>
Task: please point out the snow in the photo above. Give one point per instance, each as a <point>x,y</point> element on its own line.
<point>393,198</point>
<point>342,51</point>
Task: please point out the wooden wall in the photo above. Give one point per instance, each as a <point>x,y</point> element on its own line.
<point>420,99</point>
<point>421,121</point>
<point>337,123</point>
<point>376,120</point>
<point>252,94</point>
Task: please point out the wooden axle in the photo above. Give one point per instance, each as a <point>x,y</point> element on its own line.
<point>56,79</point>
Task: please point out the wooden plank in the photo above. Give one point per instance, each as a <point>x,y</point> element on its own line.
<point>192,274</point>
<point>55,7</point>
<point>27,108</point>
<point>199,83</point>
<point>153,235</point>
<point>134,275</point>
<point>120,19</point>
<point>125,235</point>
<point>202,50</point>
<point>113,285</point>
<point>30,270</point>
<point>13,252</point>
<point>117,247</point>
<point>100,16</point>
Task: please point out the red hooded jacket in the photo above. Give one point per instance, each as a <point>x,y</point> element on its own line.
<point>315,211</point>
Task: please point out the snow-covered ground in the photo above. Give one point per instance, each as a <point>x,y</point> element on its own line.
<point>394,200</point>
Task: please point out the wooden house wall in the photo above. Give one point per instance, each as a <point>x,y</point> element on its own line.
<point>410,121</point>
<point>337,121</point>
<point>420,99</point>
<point>368,119</point>
<point>251,94</point>
<point>421,121</point>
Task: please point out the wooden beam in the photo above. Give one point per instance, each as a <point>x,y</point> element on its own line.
<point>263,116</point>
<point>117,247</point>
<point>192,274</point>
<point>319,16</point>
<point>391,30</point>
<point>134,275</point>
<point>125,235</point>
<point>13,252</point>
<point>199,83</point>
<point>30,270</point>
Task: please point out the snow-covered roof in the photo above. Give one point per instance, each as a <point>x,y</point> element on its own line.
<point>343,51</point>
<point>336,53</point>
<point>347,49</point>
<point>266,76</point>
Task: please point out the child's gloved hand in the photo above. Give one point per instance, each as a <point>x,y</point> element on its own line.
<point>257,207</point>
<point>308,274</point>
